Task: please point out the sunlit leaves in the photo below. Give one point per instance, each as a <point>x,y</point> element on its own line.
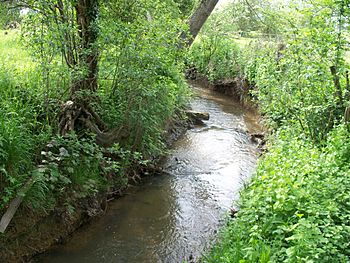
<point>297,205</point>
<point>142,65</point>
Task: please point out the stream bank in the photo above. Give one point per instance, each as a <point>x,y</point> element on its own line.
<point>32,232</point>
<point>36,232</point>
<point>175,216</point>
<point>238,88</point>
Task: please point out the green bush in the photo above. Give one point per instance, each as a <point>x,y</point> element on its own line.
<point>146,65</point>
<point>297,207</point>
<point>216,57</point>
<point>295,89</point>
<point>71,168</point>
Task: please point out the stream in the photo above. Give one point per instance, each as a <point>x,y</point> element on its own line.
<point>176,216</point>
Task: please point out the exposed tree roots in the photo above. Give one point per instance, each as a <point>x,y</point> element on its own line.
<point>74,115</point>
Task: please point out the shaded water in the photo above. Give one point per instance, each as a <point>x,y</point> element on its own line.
<point>170,218</point>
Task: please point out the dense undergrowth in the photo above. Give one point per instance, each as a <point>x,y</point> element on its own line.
<point>297,206</point>
<point>23,125</point>
<point>141,87</point>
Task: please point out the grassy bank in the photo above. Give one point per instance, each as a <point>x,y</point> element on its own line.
<point>22,131</point>
<point>141,91</point>
<point>28,122</point>
<point>297,206</point>
<point>34,84</point>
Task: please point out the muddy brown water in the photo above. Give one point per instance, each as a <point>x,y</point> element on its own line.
<point>173,218</point>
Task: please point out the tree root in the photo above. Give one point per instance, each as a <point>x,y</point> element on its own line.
<point>73,113</point>
<point>70,112</point>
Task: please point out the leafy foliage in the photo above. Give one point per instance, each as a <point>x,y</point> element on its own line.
<point>296,208</point>
<point>73,167</point>
<point>186,7</point>
<point>144,63</point>
<point>295,82</point>
<point>214,53</point>
<point>247,17</point>
<point>140,86</point>
<point>216,58</point>
<point>9,17</point>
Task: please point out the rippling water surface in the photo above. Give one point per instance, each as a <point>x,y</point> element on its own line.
<point>170,218</point>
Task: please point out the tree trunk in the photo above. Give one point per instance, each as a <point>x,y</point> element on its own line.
<point>199,17</point>
<point>85,69</point>
<point>338,90</point>
<point>87,12</point>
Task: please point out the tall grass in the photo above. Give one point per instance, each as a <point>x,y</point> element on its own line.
<point>23,129</point>
<point>12,55</point>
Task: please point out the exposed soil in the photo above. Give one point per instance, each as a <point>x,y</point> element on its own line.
<point>238,88</point>
<point>33,231</point>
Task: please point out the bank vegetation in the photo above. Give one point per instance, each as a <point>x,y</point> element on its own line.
<point>295,58</point>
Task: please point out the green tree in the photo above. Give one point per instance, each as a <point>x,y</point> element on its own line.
<point>186,7</point>
<point>262,16</point>
<point>138,37</point>
<point>9,17</point>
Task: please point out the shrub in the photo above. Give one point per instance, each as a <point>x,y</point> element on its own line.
<point>215,57</point>
<point>296,208</point>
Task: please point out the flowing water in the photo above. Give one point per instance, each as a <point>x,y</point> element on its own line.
<point>175,216</point>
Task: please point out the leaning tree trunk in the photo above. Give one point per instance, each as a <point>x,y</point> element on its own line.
<point>199,17</point>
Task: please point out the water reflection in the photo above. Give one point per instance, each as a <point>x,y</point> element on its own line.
<point>170,217</point>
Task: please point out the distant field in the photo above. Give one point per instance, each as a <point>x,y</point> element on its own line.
<point>243,41</point>
<point>347,56</point>
<point>12,54</point>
